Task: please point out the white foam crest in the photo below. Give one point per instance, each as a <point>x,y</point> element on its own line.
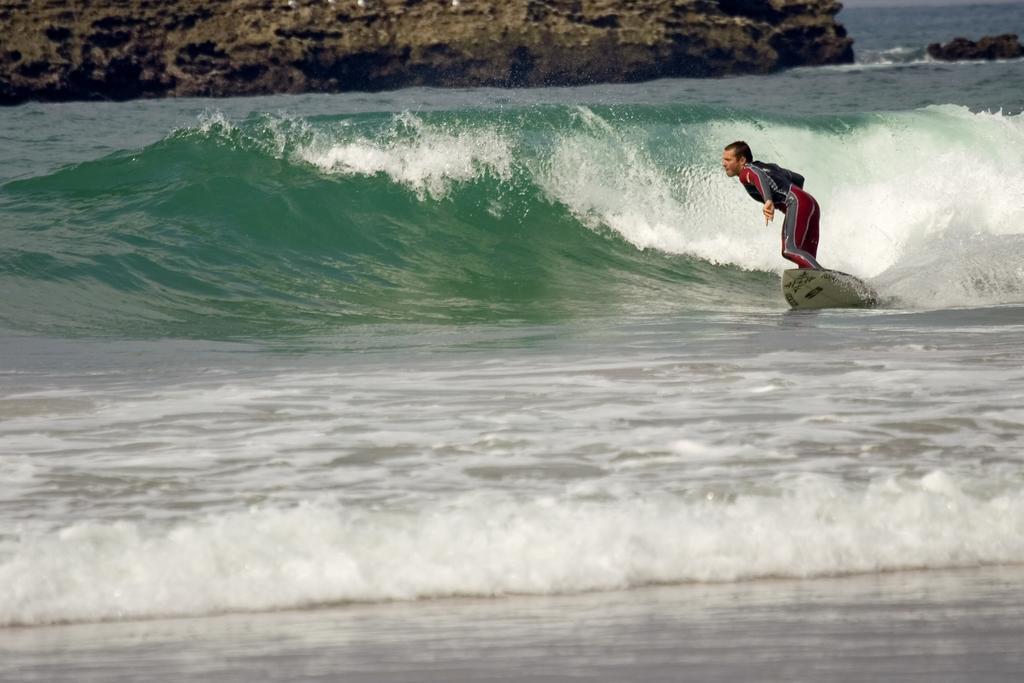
<point>276,135</point>
<point>427,159</point>
<point>486,544</point>
<point>930,196</point>
<point>282,133</point>
<point>606,178</point>
<point>890,188</point>
<point>213,121</point>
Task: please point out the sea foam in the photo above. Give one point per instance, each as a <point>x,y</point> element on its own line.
<point>490,544</point>
<point>426,158</point>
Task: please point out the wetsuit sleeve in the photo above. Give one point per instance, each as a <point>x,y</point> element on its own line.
<point>755,177</point>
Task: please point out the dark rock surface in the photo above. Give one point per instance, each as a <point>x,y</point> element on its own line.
<point>1006,46</point>
<point>121,49</point>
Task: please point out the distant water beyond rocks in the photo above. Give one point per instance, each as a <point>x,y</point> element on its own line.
<point>123,49</point>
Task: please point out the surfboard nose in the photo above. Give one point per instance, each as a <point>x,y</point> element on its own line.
<point>807,289</point>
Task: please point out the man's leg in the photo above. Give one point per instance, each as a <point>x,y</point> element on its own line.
<point>800,229</point>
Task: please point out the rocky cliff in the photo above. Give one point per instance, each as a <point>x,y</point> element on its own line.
<point>120,49</point>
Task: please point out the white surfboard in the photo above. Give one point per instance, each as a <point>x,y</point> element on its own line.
<point>825,289</point>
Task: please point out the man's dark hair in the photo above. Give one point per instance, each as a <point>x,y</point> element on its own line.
<point>740,149</point>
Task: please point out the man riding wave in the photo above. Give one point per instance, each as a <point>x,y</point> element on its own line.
<point>777,187</point>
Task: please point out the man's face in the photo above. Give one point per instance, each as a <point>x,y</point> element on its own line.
<point>731,163</point>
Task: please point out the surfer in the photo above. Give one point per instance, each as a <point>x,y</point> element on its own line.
<point>780,188</point>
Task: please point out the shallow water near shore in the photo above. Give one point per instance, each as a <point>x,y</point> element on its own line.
<point>908,626</point>
<point>512,459</point>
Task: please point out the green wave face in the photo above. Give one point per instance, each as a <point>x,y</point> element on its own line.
<point>275,225</point>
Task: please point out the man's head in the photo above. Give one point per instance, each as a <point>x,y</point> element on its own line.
<point>735,156</point>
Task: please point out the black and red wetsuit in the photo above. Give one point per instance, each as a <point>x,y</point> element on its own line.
<point>764,181</point>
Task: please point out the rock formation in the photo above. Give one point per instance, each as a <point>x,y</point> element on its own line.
<point>121,49</point>
<point>1005,46</point>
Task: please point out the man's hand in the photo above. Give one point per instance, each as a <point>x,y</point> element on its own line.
<point>769,211</point>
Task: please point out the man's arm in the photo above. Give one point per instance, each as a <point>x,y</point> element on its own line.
<point>751,175</point>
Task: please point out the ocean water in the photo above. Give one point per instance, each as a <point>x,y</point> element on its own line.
<point>283,353</point>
